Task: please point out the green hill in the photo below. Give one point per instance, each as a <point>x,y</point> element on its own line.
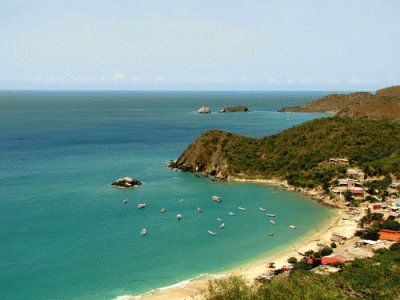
<point>299,153</point>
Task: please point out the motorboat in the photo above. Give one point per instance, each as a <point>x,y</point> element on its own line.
<point>162,210</point>
<point>216,198</point>
<point>292,226</point>
<point>242,208</point>
<point>272,222</point>
<point>220,220</point>
<point>262,209</point>
<point>222,226</point>
<point>231,213</point>
<point>212,232</point>
<point>141,205</point>
<point>179,216</point>
<point>270,234</point>
<point>143,232</point>
<point>271,215</point>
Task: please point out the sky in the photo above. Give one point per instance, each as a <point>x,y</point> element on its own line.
<point>199,45</point>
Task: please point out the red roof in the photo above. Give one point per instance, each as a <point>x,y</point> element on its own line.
<point>326,260</point>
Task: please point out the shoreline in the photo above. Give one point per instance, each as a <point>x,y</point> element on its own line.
<point>192,288</point>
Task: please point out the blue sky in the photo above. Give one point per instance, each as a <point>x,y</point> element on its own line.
<point>199,45</point>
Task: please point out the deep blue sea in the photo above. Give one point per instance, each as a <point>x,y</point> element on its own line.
<point>64,231</point>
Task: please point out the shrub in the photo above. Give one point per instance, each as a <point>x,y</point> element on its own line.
<point>333,245</point>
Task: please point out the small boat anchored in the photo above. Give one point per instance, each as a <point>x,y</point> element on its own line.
<point>216,198</point>
<point>179,216</point>
<point>292,226</point>
<point>262,209</point>
<point>231,213</point>
<point>272,222</point>
<point>242,208</point>
<point>199,209</point>
<point>270,234</point>
<point>143,232</point>
<point>141,205</point>
<point>271,215</point>
<point>220,220</point>
<point>162,210</point>
<point>222,226</point>
<point>212,232</point>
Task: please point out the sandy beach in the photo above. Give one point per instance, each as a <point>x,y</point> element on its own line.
<point>340,223</point>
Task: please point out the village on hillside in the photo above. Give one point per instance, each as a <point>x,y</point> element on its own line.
<point>369,221</point>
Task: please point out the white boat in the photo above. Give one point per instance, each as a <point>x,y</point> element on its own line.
<point>220,220</point>
<point>162,210</point>
<point>271,215</point>
<point>262,209</point>
<point>125,201</point>
<point>141,205</point>
<point>179,216</point>
<point>272,222</point>
<point>143,232</point>
<point>270,234</point>
<point>222,226</point>
<point>231,213</point>
<point>212,232</point>
<point>242,208</point>
<point>216,198</point>
<point>292,226</point>
<point>199,209</point>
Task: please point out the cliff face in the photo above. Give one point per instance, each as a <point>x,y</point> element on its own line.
<point>384,104</point>
<point>206,154</point>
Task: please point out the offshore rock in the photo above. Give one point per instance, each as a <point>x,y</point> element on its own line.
<point>126,182</point>
<point>238,108</point>
<point>204,110</point>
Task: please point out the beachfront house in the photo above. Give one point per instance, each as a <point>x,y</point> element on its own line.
<point>389,235</point>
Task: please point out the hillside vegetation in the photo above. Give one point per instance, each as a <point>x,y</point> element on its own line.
<point>373,278</point>
<point>384,104</point>
<point>298,154</point>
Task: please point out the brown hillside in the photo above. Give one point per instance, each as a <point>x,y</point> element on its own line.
<point>389,91</point>
<point>384,104</point>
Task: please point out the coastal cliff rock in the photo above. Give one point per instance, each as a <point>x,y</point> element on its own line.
<point>126,182</point>
<point>385,104</point>
<point>206,155</point>
<point>238,108</point>
<point>204,110</point>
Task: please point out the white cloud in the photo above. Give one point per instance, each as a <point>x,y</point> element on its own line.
<point>160,78</point>
<point>136,78</point>
<point>118,76</point>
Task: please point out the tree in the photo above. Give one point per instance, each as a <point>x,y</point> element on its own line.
<point>326,251</point>
<point>292,260</point>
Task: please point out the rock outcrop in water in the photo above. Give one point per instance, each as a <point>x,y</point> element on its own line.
<point>126,182</point>
<point>238,108</point>
<point>204,110</point>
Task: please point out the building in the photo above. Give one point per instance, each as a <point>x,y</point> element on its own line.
<point>389,235</point>
<point>333,259</point>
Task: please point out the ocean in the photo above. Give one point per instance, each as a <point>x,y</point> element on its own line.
<point>64,230</point>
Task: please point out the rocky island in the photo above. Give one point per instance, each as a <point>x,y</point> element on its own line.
<point>238,108</point>
<point>126,182</point>
<point>204,110</point>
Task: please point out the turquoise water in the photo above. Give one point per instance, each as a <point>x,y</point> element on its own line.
<point>64,232</point>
